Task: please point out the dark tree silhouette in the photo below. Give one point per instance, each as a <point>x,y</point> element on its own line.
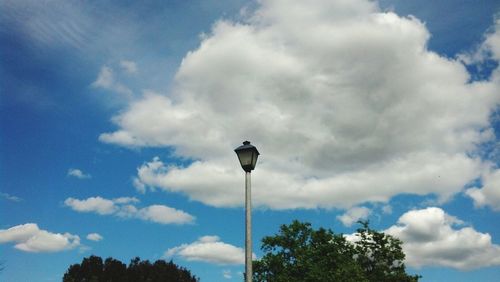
<point>300,253</point>
<point>92,269</point>
<point>114,270</point>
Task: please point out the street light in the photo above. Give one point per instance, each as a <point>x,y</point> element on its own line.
<point>248,154</point>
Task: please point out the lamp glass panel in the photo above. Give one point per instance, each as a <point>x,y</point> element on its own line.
<point>254,159</point>
<point>245,157</point>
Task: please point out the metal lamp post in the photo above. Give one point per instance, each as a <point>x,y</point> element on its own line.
<point>248,154</point>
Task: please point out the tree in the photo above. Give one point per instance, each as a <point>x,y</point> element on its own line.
<point>381,256</point>
<point>300,253</point>
<point>92,269</point>
<point>114,270</point>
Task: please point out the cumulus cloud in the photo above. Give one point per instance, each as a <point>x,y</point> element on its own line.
<point>124,207</point>
<point>344,102</point>
<point>29,238</point>
<point>164,215</point>
<point>78,173</point>
<point>489,194</point>
<point>221,185</point>
<point>92,204</point>
<point>106,80</point>
<point>432,238</point>
<point>354,214</point>
<point>209,249</point>
<point>209,186</point>
<point>488,49</point>
<point>94,237</point>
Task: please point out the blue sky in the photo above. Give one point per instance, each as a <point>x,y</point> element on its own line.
<point>118,122</point>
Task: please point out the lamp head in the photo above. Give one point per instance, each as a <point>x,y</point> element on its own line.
<point>247,154</point>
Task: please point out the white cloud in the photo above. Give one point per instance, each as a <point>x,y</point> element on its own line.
<point>220,184</point>
<point>227,274</point>
<point>29,238</point>
<point>10,197</point>
<point>431,238</point>
<point>344,102</point>
<point>139,186</point>
<point>83,249</point>
<point>164,215</point>
<point>488,49</point>
<point>387,209</point>
<point>129,66</point>
<point>209,249</point>
<point>19,233</point>
<point>78,173</point>
<point>126,200</point>
<point>354,214</point>
<point>489,194</point>
<point>123,207</point>
<point>92,204</point>
<point>210,185</point>
<point>94,237</point>
<point>106,80</point>
<point>492,41</point>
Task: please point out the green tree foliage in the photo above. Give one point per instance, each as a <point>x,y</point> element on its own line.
<point>381,256</point>
<point>93,269</point>
<point>300,253</point>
